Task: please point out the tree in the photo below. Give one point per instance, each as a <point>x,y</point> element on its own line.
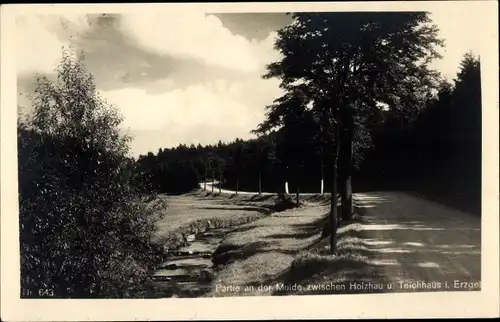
<point>344,65</point>
<point>235,160</point>
<point>296,135</point>
<point>84,230</point>
<point>262,154</point>
<point>221,168</point>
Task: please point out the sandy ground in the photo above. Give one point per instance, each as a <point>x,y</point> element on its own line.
<point>416,241</point>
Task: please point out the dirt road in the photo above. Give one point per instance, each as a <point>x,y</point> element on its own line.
<point>249,193</point>
<point>419,244</point>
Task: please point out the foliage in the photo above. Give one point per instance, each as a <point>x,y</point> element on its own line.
<point>441,143</point>
<point>166,175</point>
<point>343,66</point>
<point>439,153</point>
<point>84,230</point>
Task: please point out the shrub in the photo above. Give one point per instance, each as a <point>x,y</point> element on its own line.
<point>84,230</point>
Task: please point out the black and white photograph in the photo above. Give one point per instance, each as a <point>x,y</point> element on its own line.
<point>169,153</point>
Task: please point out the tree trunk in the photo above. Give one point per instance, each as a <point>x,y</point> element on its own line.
<point>347,205</point>
<point>333,201</point>
<point>237,184</point>
<point>299,181</point>
<point>206,177</point>
<point>213,180</point>
<point>220,185</point>
<point>345,180</point>
<point>260,184</point>
<point>297,197</point>
<point>322,177</point>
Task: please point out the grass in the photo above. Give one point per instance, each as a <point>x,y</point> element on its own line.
<point>264,248</point>
<point>319,272</point>
<point>176,239</point>
<point>284,255</point>
<point>200,211</point>
<point>275,242</point>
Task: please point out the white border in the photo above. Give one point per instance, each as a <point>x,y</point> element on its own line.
<point>480,304</point>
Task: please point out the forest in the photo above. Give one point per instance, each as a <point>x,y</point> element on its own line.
<point>436,152</point>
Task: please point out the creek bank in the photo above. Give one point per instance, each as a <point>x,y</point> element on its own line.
<point>189,270</point>
<point>185,257</point>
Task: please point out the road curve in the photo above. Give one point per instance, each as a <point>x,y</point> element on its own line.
<point>225,191</point>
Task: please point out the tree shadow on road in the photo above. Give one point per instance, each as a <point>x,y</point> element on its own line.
<point>362,258</point>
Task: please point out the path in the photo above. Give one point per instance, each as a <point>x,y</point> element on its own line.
<point>415,240</point>
<point>225,191</point>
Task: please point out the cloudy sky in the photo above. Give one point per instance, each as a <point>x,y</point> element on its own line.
<point>190,78</point>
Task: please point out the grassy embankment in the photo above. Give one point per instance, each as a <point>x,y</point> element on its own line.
<point>199,211</point>
<point>291,248</point>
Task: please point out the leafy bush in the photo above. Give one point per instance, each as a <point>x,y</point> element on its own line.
<point>84,228</point>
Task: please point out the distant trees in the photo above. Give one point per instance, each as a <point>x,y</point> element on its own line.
<point>422,135</point>
<point>235,162</point>
<point>170,175</point>
<point>84,231</point>
<point>232,164</point>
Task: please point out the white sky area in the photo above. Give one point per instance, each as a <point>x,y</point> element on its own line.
<point>227,102</point>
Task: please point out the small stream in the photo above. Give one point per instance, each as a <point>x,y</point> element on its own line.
<point>188,272</point>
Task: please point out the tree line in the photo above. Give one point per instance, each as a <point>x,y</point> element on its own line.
<point>363,91</point>
<point>438,148</point>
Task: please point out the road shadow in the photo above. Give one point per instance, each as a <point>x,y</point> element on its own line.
<point>437,245</point>
<point>427,249</point>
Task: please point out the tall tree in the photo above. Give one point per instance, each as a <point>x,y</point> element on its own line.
<point>83,230</point>
<point>345,65</point>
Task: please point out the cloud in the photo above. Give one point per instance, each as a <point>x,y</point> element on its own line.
<point>182,77</point>
<point>37,48</point>
<point>459,30</point>
<point>195,35</point>
<point>222,96</point>
<point>254,25</point>
<point>175,79</point>
<point>202,113</point>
